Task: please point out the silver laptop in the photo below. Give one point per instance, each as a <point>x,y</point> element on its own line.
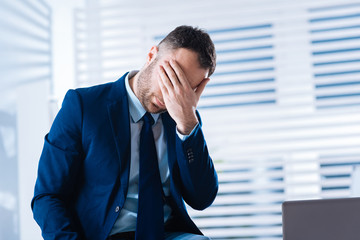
<point>328,219</point>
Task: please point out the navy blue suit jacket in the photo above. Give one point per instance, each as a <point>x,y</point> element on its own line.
<point>83,170</point>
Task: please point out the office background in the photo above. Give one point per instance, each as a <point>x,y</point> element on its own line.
<point>281,113</point>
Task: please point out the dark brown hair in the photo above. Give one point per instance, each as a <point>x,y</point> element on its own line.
<point>194,39</point>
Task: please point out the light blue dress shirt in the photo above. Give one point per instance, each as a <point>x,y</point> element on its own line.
<point>126,220</point>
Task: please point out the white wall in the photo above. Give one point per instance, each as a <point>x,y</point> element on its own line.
<point>33,123</point>
<point>63,46</point>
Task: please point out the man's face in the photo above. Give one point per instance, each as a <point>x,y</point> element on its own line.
<point>147,87</point>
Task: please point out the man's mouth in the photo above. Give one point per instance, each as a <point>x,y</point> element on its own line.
<point>159,103</point>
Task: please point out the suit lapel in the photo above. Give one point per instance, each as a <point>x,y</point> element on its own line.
<point>118,112</point>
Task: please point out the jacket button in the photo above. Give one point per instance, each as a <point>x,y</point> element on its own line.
<point>117,209</point>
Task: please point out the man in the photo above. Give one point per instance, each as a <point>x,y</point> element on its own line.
<point>111,170</point>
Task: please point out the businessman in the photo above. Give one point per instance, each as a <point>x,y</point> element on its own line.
<point>121,158</point>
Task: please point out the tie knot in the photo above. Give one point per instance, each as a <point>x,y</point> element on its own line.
<point>148,119</point>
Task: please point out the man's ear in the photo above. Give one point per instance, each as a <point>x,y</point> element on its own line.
<point>152,54</point>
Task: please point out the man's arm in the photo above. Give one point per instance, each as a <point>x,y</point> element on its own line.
<point>58,166</point>
<point>197,172</point>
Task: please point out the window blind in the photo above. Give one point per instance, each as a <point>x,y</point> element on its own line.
<point>335,35</point>
<point>25,42</point>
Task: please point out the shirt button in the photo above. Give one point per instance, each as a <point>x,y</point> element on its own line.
<point>117,209</point>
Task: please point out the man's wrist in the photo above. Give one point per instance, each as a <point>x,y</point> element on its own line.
<point>185,129</point>
<point>184,137</point>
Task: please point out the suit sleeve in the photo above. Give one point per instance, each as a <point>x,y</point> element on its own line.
<point>197,172</point>
<point>58,167</point>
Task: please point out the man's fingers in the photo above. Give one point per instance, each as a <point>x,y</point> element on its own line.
<point>173,78</point>
<point>164,78</point>
<point>180,74</point>
<point>201,87</point>
<point>163,88</point>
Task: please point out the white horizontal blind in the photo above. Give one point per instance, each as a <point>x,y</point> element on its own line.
<point>245,72</point>
<point>281,113</point>
<point>109,41</point>
<point>335,39</point>
<point>25,43</point>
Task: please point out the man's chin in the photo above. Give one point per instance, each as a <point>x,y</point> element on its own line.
<point>155,109</point>
<point>158,111</point>
<point>162,111</point>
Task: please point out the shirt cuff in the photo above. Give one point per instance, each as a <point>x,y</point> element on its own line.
<point>184,137</point>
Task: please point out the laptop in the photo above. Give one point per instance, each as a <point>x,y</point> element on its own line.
<point>325,219</point>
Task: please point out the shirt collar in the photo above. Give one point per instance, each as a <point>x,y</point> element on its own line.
<point>136,109</point>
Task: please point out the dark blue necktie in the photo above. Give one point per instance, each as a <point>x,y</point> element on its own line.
<point>150,217</point>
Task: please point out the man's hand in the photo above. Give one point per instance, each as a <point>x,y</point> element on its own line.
<point>179,98</point>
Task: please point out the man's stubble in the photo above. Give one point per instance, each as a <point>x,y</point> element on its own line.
<point>143,91</point>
